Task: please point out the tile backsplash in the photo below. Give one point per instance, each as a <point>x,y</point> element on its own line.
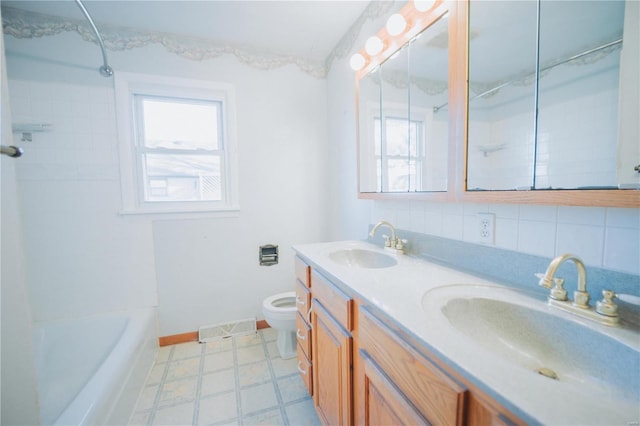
<point>602,237</point>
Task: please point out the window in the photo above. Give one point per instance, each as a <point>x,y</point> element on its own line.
<point>177,148</point>
<point>400,154</point>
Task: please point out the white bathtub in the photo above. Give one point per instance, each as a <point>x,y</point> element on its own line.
<point>91,370</point>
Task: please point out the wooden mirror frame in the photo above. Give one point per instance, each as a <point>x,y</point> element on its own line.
<point>417,22</point>
<point>629,198</point>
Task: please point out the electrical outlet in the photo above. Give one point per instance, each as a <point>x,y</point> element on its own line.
<point>486,228</point>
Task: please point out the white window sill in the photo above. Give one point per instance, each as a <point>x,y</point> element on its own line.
<point>160,213</point>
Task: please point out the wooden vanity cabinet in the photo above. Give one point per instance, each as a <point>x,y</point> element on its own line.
<point>332,347</point>
<point>399,382</point>
<point>303,326</point>
<point>361,369</point>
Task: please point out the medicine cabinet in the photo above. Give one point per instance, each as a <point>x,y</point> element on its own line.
<point>544,118</point>
<point>403,137</point>
<point>548,121</point>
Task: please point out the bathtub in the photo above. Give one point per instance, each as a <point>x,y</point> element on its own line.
<point>91,370</point>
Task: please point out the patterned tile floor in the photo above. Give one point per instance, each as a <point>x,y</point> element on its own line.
<point>236,381</point>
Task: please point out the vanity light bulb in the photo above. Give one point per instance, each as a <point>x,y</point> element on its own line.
<point>423,5</point>
<point>357,61</point>
<point>396,24</point>
<point>373,46</point>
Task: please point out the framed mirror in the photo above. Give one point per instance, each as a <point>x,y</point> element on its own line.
<point>548,114</point>
<point>403,110</point>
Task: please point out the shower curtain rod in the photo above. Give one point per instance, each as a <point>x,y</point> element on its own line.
<point>105,69</point>
<point>563,61</point>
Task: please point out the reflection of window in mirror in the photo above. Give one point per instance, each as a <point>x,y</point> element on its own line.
<point>401,152</point>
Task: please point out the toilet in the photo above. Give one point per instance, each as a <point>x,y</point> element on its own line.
<point>280,313</point>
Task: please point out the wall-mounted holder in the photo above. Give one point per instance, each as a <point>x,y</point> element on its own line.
<point>268,255</point>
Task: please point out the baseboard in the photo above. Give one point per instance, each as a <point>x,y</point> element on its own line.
<point>174,339</point>
<point>192,336</point>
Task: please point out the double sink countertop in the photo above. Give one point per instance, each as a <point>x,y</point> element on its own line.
<point>408,293</point>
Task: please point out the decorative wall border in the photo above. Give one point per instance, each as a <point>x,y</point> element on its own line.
<point>25,25</point>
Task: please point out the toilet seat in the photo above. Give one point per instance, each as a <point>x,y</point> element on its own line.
<point>281,303</point>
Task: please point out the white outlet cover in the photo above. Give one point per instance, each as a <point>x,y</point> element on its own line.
<point>486,228</point>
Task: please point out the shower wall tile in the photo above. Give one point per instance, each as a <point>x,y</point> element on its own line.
<point>82,142</point>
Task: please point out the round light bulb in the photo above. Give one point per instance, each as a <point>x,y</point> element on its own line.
<point>373,46</point>
<point>423,5</point>
<point>357,61</point>
<point>396,24</point>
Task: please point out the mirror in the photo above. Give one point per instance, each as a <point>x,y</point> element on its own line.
<point>429,98</point>
<point>403,120</point>
<point>568,70</point>
<point>393,141</point>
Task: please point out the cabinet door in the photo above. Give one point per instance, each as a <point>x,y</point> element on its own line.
<point>332,357</point>
<point>384,403</point>
<point>439,398</point>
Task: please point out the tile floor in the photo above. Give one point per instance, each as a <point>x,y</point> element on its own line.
<point>236,381</point>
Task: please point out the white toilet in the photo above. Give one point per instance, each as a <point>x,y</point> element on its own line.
<point>280,313</point>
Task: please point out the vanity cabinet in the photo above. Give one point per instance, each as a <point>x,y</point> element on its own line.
<point>360,368</point>
<point>332,343</point>
<point>303,331</point>
<point>400,385</point>
<point>398,381</point>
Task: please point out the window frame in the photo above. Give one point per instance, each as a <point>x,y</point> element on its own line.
<point>129,89</point>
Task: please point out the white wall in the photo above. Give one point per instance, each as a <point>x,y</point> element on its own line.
<point>84,257</point>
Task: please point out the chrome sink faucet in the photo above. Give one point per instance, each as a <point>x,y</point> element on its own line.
<point>605,312</point>
<point>392,243</point>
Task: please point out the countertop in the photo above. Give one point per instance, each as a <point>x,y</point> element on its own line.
<point>398,292</point>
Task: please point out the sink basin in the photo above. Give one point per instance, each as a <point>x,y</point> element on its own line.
<point>361,258</point>
<point>512,328</point>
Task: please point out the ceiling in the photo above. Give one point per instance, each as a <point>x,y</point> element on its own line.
<point>309,29</point>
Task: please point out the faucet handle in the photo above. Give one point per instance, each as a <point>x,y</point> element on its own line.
<point>543,280</point>
<point>606,306</point>
<point>558,292</point>
<point>387,240</point>
<point>400,242</point>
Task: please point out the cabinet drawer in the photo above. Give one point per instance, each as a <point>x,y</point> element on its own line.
<point>337,303</point>
<point>303,334</point>
<point>303,299</point>
<point>436,396</point>
<point>303,271</point>
<point>306,370</point>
